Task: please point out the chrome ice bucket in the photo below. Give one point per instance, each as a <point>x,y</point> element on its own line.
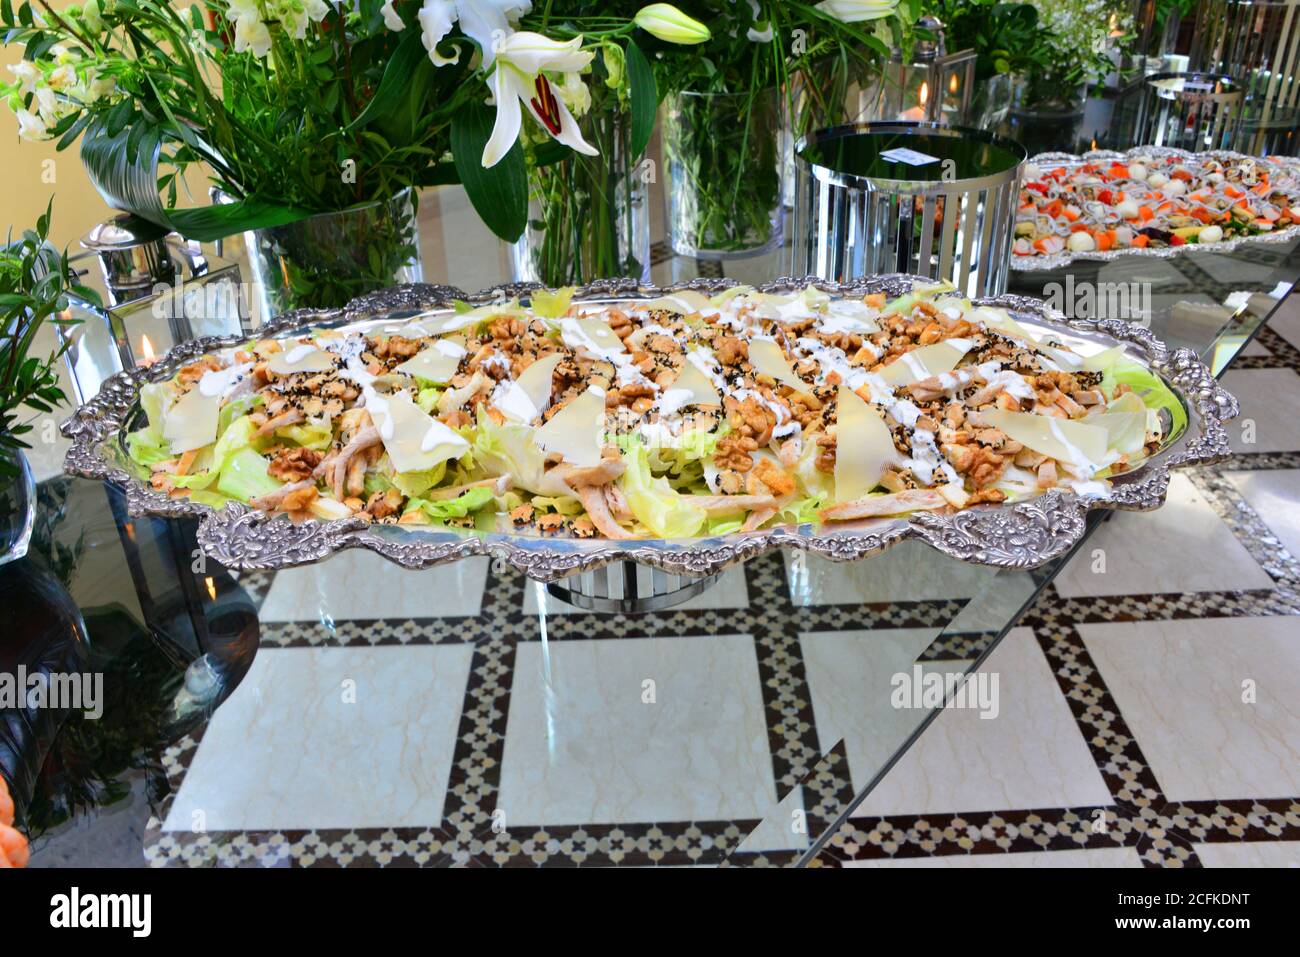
<point>898,197</point>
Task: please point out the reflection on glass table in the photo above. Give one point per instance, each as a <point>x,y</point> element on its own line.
<point>350,712</point>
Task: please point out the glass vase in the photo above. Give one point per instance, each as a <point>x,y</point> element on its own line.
<point>1046,115</point>
<point>587,215</point>
<point>17,505</point>
<point>723,163</point>
<point>326,260</point>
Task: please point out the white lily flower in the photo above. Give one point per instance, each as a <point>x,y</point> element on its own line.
<point>63,76</point>
<point>295,15</point>
<point>243,10</point>
<point>485,22</point>
<point>91,17</point>
<point>30,126</point>
<point>47,104</point>
<point>856,11</point>
<point>26,73</point>
<point>100,86</point>
<point>252,35</point>
<point>391,19</point>
<point>518,78</point>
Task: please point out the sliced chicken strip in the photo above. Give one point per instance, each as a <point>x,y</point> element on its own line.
<point>602,474</point>
<point>360,442</point>
<point>593,500</point>
<point>356,475</point>
<point>757,518</point>
<point>618,505</point>
<point>291,417</point>
<point>730,504</point>
<point>272,500</point>
<point>454,399</point>
<point>912,500</point>
<point>499,486</point>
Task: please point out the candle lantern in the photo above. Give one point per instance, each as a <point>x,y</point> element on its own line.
<point>917,198</point>
<point>936,86</point>
<point>158,291</point>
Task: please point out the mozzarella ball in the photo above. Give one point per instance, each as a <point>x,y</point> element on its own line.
<point>1137,171</point>
<point>1175,187</point>
<point>1128,209</point>
<point>1210,234</point>
<point>1156,180</point>
<point>1081,242</point>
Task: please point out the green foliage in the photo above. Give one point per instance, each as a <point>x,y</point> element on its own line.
<point>1006,37</point>
<point>34,284</point>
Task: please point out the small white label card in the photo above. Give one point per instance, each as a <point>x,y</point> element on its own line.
<point>910,157</point>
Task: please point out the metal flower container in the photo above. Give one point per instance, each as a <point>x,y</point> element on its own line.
<point>918,198</point>
<point>1191,111</point>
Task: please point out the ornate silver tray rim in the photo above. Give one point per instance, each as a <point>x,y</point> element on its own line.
<point>1055,261</point>
<point>1023,535</point>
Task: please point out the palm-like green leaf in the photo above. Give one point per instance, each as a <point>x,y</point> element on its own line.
<point>123,166</point>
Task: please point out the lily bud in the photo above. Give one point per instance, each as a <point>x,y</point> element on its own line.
<point>855,11</point>
<point>669,24</point>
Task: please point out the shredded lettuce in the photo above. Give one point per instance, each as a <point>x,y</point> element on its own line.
<point>415,484</point>
<point>315,434</point>
<point>558,503</point>
<point>147,447</point>
<point>233,410</point>
<point>1149,387</point>
<point>212,499</point>
<point>459,507</point>
<point>244,475</point>
<point>801,511</point>
<point>511,449</point>
<point>653,501</point>
<point>427,397</point>
<point>813,482</point>
<point>552,305</point>
<point>723,526</point>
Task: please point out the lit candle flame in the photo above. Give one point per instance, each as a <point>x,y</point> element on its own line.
<point>925,93</point>
<point>212,587</point>
<point>1094,145</point>
<point>146,348</point>
<point>952,84</point>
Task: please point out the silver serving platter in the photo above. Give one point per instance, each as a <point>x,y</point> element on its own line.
<point>1037,263</point>
<point>1013,536</point>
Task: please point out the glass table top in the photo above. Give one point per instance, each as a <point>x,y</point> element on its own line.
<point>353,713</point>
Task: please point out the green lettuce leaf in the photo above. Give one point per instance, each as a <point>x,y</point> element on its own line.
<point>233,410</point>
<point>653,501</point>
<point>511,449</point>
<point>147,446</point>
<point>801,511</point>
<point>552,305</point>
<point>427,397</point>
<point>244,475</point>
<point>415,484</point>
<point>459,507</point>
<point>316,434</point>
<point>1149,387</point>
<point>147,449</point>
<point>723,526</point>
